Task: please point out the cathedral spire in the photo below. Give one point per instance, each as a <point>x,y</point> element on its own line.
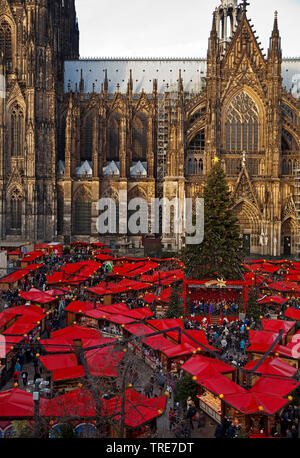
<point>275,41</point>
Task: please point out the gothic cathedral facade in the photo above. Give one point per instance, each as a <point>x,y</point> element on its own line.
<point>75,130</point>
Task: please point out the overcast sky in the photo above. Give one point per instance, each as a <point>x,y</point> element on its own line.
<point>173,28</point>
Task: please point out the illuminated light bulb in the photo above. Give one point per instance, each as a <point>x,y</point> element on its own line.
<point>221,396</point>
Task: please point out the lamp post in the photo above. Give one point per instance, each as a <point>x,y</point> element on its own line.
<point>36,388</point>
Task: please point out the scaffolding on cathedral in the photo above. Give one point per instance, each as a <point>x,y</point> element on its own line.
<point>297,203</point>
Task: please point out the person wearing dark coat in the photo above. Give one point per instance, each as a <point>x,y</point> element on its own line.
<point>219,432</point>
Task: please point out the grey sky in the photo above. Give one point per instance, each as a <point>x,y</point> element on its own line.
<point>172,28</point>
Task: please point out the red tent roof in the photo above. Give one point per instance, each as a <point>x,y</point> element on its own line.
<point>292,313</point>
<point>197,335</point>
<point>260,341</point>
<point>272,300</point>
<point>203,367</point>
<point>277,325</point>
<point>138,409</point>
<point>250,403</point>
<point>103,257</point>
<point>219,384</point>
<point>63,340</point>
<point>139,329</point>
<point>273,366</point>
<point>79,307</point>
<point>35,295</point>
<point>16,403</point>
<point>178,350</point>
<point>113,318</point>
<point>122,309</point>
<point>10,341</point>
<point>165,324</point>
<point>275,387</point>
<point>80,403</point>
<point>15,276</point>
<point>158,343</point>
<point>101,362</point>
<point>284,286</point>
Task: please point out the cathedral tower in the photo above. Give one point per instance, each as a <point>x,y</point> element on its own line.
<point>35,39</point>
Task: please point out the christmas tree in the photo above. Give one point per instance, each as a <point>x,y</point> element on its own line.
<point>220,255</point>
<point>175,308</point>
<point>253,308</point>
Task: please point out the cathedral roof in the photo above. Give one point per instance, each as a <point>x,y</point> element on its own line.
<point>166,71</point>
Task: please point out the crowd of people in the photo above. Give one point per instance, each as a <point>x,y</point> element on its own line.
<point>215,307</point>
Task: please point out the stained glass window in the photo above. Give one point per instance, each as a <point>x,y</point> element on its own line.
<point>242,125</point>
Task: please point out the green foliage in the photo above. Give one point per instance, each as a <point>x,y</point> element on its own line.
<point>221,253</point>
<point>186,387</point>
<point>175,308</point>
<point>23,429</point>
<point>253,308</point>
<point>65,431</point>
<point>66,249</point>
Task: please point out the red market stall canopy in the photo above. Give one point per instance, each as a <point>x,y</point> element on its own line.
<point>80,403</point>
<point>284,286</point>
<point>80,307</point>
<point>275,387</point>
<point>277,325</point>
<point>260,341</point>
<point>203,367</point>
<point>292,349</point>
<point>10,342</point>
<point>272,300</point>
<point>101,363</point>
<point>292,313</point>
<point>220,384</point>
<point>20,320</point>
<point>16,403</point>
<point>199,336</point>
<point>121,287</point>
<point>251,403</point>
<point>65,339</point>
<point>272,366</point>
<point>50,247</point>
<point>35,295</point>
<point>265,267</point>
<point>122,309</point>
<point>126,268</point>
<point>116,319</point>
<point>57,292</point>
<point>74,273</point>
<point>165,324</point>
<point>32,256</point>
<point>164,277</point>
<point>15,276</point>
<point>158,343</point>
<point>176,351</point>
<point>143,269</point>
<point>139,329</point>
<point>103,257</point>
<point>138,409</point>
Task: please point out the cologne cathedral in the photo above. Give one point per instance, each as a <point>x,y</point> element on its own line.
<point>75,130</point>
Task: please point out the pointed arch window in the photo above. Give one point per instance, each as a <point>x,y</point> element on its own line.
<point>6,42</point>
<point>83,213</point>
<point>242,125</point>
<point>16,200</point>
<point>17,131</point>
<point>88,138</point>
<point>113,137</point>
<point>139,140</point>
